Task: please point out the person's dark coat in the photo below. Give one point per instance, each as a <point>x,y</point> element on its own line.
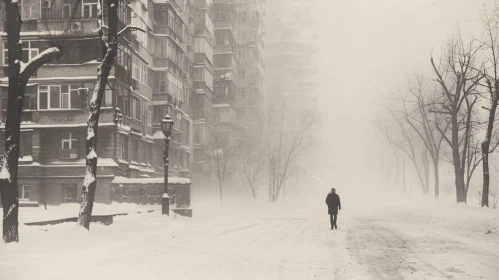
<point>333,203</point>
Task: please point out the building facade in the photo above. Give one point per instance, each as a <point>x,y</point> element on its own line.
<point>225,72</point>
<point>150,78</point>
<point>291,53</point>
<point>200,61</point>
<point>250,101</point>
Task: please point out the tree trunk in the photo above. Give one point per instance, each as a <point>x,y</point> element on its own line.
<point>486,175</point>
<point>460,187</point>
<point>18,79</point>
<point>253,192</point>
<point>8,175</point>
<point>486,147</point>
<point>90,181</point>
<point>270,183</point>
<point>220,188</point>
<point>426,169</point>
<point>437,179</point>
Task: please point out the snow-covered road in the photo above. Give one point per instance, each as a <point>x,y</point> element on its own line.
<point>282,241</point>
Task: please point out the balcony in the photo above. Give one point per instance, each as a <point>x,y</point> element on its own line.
<point>224,49</point>
<point>27,26</point>
<point>225,24</point>
<point>167,30</point>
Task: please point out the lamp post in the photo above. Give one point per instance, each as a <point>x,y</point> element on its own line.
<point>167,127</point>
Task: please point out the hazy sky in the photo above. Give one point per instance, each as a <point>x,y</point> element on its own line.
<point>365,46</point>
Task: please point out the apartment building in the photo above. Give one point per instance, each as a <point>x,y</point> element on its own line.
<point>291,52</point>
<point>153,75</point>
<point>250,101</point>
<point>225,72</point>
<point>203,83</point>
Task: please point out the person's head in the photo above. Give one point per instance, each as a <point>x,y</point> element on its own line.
<point>333,190</point>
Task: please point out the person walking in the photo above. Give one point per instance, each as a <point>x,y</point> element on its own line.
<point>333,204</point>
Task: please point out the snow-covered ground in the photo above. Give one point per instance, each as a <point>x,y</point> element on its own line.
<point>288,240</point>
<point>70,210</point>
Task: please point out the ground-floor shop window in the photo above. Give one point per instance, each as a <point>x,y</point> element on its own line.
<point>69,193</point>
<point>25,192</point>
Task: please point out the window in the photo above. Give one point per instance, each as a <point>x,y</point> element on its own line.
<point>89,8</point>
<point>162,83</point>
<point>52,97</point>
<point>150,154</point>
<point>241,73</point>
<point>29,51</point>
<point>242,54</point>
<point>67,141</point>
<point>242,16</point>
<point>149,116</point>
<point>139,70</point>
<point>152,44</point>
<point>141,36</point>
<point>135,150</point>
<point>144,73</point>
<point>69,193</point>
<point>25,192</point>
<point>25,147</point>
<point>66,8</point>
<point>135,108</point>
<point>124,149</point>
<point>241,112</point>
<point>108,98</point>
<point>242,35</point>
<point>254,16</point>
<point>253,35</point>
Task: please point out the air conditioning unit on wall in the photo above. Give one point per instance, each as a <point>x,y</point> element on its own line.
<point>76,26</point>
<point>46,4</point>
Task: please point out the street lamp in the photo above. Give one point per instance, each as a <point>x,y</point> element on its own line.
<point>167,127</point>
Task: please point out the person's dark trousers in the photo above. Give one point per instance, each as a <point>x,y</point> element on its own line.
<point>334,219</point>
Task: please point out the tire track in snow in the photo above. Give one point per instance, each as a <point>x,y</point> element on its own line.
<point>388,254</point>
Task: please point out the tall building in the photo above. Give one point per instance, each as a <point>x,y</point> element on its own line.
<point>225,72</point>
<point>250,101</point>
<point>151,77</point>
<point>203,83</point>
<point>291,53</point>
<point>291,77</point>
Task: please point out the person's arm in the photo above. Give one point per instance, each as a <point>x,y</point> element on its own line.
<point>339,202</point>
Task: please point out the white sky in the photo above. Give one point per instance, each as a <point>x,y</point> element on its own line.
<point>365,45</point>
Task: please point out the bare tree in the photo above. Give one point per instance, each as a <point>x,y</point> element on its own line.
<point>489,144</point>
<point>224,145</point>
<point>458,80</point>
<point>19,74</point>
<point>289,136</point>
<point>416,112</point>
<point>251,166</point>
<point>400,135</point>
<point>108,32</point>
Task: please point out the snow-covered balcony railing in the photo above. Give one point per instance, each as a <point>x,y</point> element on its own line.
<point>135,125</point>
<point>167,30</point>
<point>57,116</point>
<point>225,23</point>
<point>221,49</point>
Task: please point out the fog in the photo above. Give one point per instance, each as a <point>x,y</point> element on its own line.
<point>365,46</point>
